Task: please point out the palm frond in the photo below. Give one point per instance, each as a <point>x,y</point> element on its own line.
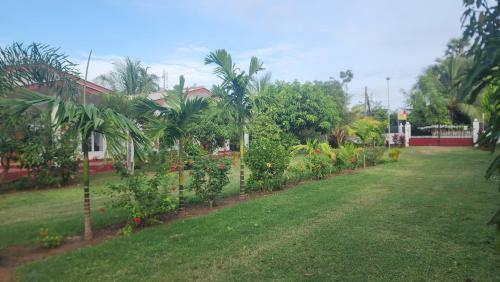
<point>255,66</point>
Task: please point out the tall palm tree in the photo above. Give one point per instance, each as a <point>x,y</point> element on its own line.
<point>235,95</point>
<point>130,77</point>
<point>83,120</point>
<point>173,122</point>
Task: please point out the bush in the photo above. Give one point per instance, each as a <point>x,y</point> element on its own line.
<point>347,157</point>
<point>209,177</point>
<point>143,198</point>
<point>374,154</point>
<point>398,139</point>
<point>297,171</point>
<point>320,165</point>
<point>267,160</point>
<point>394,154</point>
<point>47,240</point>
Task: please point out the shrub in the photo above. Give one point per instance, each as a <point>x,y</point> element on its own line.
<point>394,154</point>
<point>267,160</point>
<point>398,139</point>
<point>297,171</point>
<point>143,198</point>
<point>374,154</point>
<point>47,240</point>
<point>193,150</point>
<point>320,165</point>
<point>209,177</point>
<point>347,157</point>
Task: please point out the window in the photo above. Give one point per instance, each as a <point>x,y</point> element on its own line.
<point>95,142</point>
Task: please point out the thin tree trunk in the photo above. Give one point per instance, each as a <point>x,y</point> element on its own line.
<point>87,234</point>
<point>497,245</point>
<point>5,166</point>
<point>242,166</point>
<point>181,177</point>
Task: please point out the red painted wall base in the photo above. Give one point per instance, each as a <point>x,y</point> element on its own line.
<point>445,141</point>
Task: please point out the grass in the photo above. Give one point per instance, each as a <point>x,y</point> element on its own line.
<point>422,218</point>
<point>22,214</point>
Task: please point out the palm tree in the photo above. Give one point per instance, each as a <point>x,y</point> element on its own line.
<point>235,95</point>
<point>130,77</point>
<point>84,120</point>
<point>173,122</point>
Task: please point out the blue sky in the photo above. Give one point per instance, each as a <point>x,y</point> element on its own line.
<point>304,40</point>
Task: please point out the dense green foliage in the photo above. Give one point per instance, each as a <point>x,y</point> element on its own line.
<point>267,159</point>
<point>210,175</point>
<point>142,197</point>
<point>307,110</point>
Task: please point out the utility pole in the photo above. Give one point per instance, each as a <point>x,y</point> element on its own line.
<point>388,115</point>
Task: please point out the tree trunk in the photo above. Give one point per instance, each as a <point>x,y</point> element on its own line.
<point>130,155</point>
<point>210,204</point>
<point>497,244</point>
<point>364,158</point>
<point>181,177</point>
<point>87,234</point>
<point>5,162</point>
<point>242,166</point>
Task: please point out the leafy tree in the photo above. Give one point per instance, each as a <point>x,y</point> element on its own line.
<point>234,95</point>
<point>173,121</point>
<point>211,130</point>
<point>302,109</point>
<point>130,77</point>
<point>41,67</point>
<point>82,120</point>
<point>482,26</point>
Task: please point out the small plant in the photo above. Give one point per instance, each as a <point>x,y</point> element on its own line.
<point>47,240</point>
<point>209,177</point>
<point>320,165</point>
<point>394,154</point>
<point>144,198</point>
<point>374,154</point>
<point>347,156</point>
<point>125,231</point>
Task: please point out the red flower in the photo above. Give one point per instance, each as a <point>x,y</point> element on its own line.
<point>190,162</point>
<point>221,166</point>
<point>174,188</point>
<point>190,173</point>
<point>102,210</point>
<point>317,150</point>
<point>137,220</point>
<point>173,168</point>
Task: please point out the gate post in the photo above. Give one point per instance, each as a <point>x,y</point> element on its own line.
<point>475,131</point>
<point>407,134</point>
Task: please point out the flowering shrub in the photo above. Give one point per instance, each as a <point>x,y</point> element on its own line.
<point>47,240</point>
<point>347,157</point>
<point>394,154</point>
<point>143,198</point>
<point>209,177</point>
<point>320,165</point>
<point>267,159</point>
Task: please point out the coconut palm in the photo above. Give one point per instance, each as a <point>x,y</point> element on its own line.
<point>130,77</point>
<point>234,95</point>
<point>173,122</point>
<point>84,120</point>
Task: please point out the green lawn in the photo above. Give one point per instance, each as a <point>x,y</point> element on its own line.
<point>22,214</point>
<point>422,218</point>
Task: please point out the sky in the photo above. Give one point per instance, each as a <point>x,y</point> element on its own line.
<point>296,39</point>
